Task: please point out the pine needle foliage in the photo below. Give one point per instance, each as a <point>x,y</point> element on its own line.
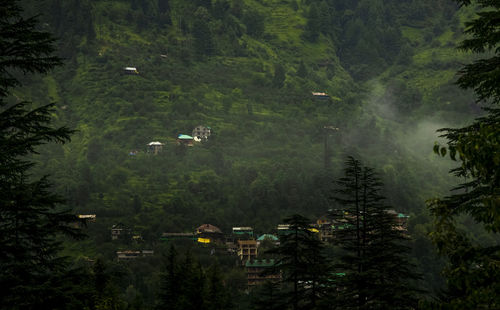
<point>374,249</point>
<point>304,265</point>
<point>473,269</point>
<point>30,215</point>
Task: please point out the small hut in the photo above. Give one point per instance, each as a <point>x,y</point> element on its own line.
<point>130,71</point>
<point>185,140</point>
<point>155,147</point>
<point>320,95</point>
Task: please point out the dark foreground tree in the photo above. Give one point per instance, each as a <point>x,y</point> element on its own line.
<point>268,296</point>
<point>302,261</point>
<point>32,274</point>
<point>185,285</point>
<point>473,270</point>
<point>374,267</point>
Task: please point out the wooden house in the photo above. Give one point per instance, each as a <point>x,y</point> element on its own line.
<point>130,71</point>
<point>201,133</point>
<point>268,237</point>
<point>131,255</point>
<point>120,231</point>
<point>259,271</point>
<point>155,147</point>
<point>247,249</point>
<point>183,139</point>
<point>87,217</point>
<point>208,233</point>
<point>320,95</point>
<point>243,233</point>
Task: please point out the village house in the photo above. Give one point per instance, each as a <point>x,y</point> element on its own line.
<point>155,147</point>
<point>130,71</point>
<point>324,226</point>
<point>208,233</point>
<point>247,249</point>
<point>261,270</point>
<point>268,237</point>
<point>400,219</point>
<point>120,231</point>
<point>243,233</point>
<point>185,140</point>
<point>201,133</point>
<point>319,95</point>
<point>131,255</point>
<point>87,217</point>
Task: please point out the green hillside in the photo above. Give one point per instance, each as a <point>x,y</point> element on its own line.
<point>247,69</point>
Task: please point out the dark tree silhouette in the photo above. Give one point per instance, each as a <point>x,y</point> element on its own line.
<point>374,251</point>
<point>473,272</point>
<point>303,263</point>
<point>30,215</point>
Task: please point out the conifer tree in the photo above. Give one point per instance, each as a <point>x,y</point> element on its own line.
<point>303,263</point>
<point>473,269</point>
<point>374,252</point>
<point>30,215</point>
<point>268,297</point>
<point>170,282</point>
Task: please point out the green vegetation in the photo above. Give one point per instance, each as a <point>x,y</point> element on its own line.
<point>246,69</point>
<point>374,253</point>
<point>472,270</point>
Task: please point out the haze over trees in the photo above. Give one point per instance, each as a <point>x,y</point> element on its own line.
<point>472,271</point>
<point>289,90</point>
<point>33,274</point>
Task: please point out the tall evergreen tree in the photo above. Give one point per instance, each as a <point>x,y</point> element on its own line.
<point>170,282</point>
<point>304,265</point>
<point>374,253</point>
<point>30,215</point>
<point>473,269</point>
<point>268,297</point>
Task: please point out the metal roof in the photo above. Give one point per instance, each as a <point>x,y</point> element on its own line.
<point>184,137</point>
<point>268,236</point>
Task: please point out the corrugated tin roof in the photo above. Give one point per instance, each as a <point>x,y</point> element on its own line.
<point>184,137</point>
<point>267,236</point>
<point>260,263</point>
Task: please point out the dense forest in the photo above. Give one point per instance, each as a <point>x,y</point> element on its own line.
<point>319,118</point>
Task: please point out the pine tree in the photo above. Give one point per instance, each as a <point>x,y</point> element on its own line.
<point>216,295</point>
<point>374,253</point>
<point>30,215</point>
<point>473,269</point>
<point>303,263</point>
<point>268,297</point>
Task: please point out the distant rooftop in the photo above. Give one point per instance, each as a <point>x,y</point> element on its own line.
<point>155,143</point>
<point>268,236</point>
<point>184,137</point>
<point>260,263</point>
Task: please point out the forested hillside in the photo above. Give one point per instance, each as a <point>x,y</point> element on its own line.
<point>247,69</point>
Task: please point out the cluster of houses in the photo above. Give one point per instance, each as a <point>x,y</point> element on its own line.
<point>241,242</point>
<point>199,134</point>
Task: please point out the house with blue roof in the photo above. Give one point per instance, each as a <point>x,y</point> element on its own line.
<point>183,139</point>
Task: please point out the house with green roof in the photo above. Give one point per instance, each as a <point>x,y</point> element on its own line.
<point>183,139</point>
<point>261,270</point>
<point>269,237</point>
